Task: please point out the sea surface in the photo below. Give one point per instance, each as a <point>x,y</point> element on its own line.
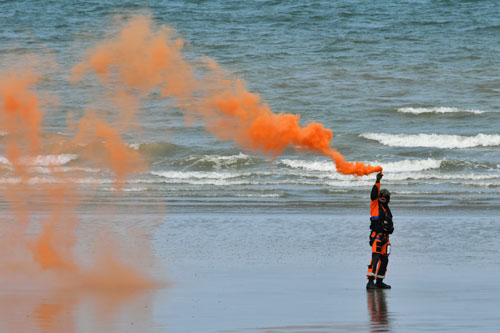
<point>413,86</point>
<point>410,85</point>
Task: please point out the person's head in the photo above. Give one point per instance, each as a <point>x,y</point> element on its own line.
<point>385,196</point>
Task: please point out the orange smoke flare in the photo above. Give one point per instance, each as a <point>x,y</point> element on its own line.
<point>146,60</point>
<point>253,124</point>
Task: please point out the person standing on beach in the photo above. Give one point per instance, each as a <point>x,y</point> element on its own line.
<point>381,227</point>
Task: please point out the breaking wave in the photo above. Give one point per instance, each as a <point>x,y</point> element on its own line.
<point>440,109</point>
<point>178,175</point>
<point>325,166</point>
<point>434,140</point>
<point>399,166</point>
<point>44,160</point>
<point>218,161</point>
<point>411,165</point>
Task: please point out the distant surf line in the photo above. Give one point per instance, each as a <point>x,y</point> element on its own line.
<point>439,109</point>
<point>444,141</point>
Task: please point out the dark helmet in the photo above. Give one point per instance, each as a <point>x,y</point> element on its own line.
<point>386,194</point>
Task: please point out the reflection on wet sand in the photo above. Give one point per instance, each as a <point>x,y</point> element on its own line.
<point>75,311</point>
<point>377,309</point>
<point>304,329</point>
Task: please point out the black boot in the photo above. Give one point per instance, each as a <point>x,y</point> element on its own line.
<point>381,285</point>
<point>370,284</point>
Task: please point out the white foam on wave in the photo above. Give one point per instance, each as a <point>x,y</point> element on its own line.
<point>29,181</point>
<point>434,140</point>
<point>326,166</point>
<point>43,160</point>
<point>222,160</point>
<point>393,179</point>
<point>52,160</point>
<point>230,158</point>
<point>399,166</point>
<point>440,109</point>
<point>270,195</point>
<point>410,165</point>
<point>405,176</point>
<point>134,146</point>
<point>62,169</point>
<point>216,182</point>
<point>398,172</point>
<point>51,180</point>
<point>126,189</point>
<point>183,175</point>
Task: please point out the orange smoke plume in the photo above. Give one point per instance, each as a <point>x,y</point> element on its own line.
<point>146,59</point>
<point>103,144</point>
<point>251,123</point>
<point>142,58</point>
<point>40,236</point>
<point>20,114</point>
<point>46,257</point>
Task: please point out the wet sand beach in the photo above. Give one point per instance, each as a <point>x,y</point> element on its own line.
<point>246,273</point>
<point>264,278</point>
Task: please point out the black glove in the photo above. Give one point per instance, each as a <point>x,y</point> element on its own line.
<point>379,176</point>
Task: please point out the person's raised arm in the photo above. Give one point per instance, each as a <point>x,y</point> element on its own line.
<point>376,187</point>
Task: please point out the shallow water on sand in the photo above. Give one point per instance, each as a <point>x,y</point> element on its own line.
<point>412,86</point>
<point>248,273</point>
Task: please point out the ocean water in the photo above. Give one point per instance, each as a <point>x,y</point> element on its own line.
<point>413,86</point>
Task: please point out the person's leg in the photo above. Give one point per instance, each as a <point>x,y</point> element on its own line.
<point>372,269</point>
<point>382,269</point>
<point>373,266</point>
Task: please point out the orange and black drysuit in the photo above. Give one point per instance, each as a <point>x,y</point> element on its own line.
<point>381,227</point>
